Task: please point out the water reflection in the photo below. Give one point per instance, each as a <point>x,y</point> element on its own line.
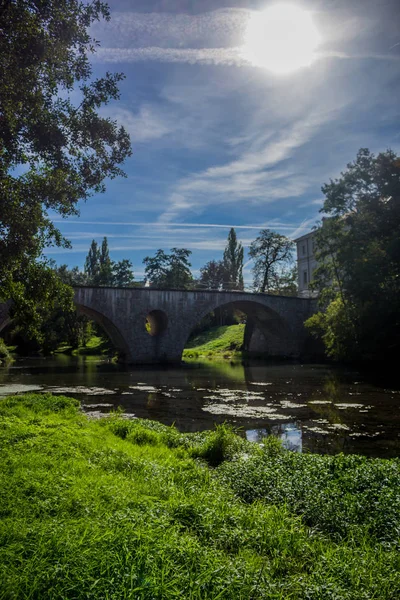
<point>290,434</point>
<point>313,408</point>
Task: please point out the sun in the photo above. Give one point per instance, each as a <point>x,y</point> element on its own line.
<point>283,38</point>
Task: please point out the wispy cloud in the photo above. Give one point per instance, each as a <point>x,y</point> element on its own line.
<point>133,29</point>
<point>213,37</point>
<point>205,56</point>
<point>273,223</point>
<point>260,174</point>
<point>149,123</point>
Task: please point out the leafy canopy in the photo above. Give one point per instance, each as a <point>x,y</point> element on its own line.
<point>358,246</point>
<point>271,252</point>
<point>169,270</point>
<point>54,150</point>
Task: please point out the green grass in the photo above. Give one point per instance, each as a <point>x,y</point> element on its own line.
<point>95,346</point>
<point>224,342</point>
<point>118,509</point>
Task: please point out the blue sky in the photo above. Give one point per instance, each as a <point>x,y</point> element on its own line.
<point>218,142</point>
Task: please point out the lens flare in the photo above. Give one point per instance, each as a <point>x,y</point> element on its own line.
<point>282,39</point>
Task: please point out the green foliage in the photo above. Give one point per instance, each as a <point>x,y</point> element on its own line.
<point>101,270</point>
<point>284,282</point>
<point>343,496</point>
<point>271,252</point>
<point>358,247</point>
<point>169,270</point>
<point>220,445</point>
<point>335,326</point>
<point>4,353</point>
<point>54,152</point>
<point>88,512</point>
<point>40,301</point>
<point>123,274</point>
<point>233,263</point>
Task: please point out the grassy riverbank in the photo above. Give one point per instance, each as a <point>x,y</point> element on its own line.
<point>220,342</point>
<point>132,509</point>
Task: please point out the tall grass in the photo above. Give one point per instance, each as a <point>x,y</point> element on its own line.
<point>117,509</point>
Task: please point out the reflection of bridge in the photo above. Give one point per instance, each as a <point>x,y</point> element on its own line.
<point>274,324</point>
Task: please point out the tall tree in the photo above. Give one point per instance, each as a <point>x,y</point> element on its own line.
<point>169,270</point>
<point>359,253</point>
<point>233,263</point>
<point>270,252</point>
<point>55,150</point>
<point>106,266</point>
<point>92,263</point>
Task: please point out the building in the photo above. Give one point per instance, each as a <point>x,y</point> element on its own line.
<point>306,263</point>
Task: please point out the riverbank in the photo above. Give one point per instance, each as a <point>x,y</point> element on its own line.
<point>116,509</point>
<point>224,342</point>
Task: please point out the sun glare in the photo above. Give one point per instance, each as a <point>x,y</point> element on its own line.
<point>282,39</point>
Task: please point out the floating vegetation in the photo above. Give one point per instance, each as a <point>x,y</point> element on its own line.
<point>81,389</point>
<point>245,411</point>
<point>319,402</point>
<point>18,388</point>
<point>144,388</point>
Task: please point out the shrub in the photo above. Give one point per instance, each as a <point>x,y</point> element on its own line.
<point>219,445</point>
<point>4,353</point>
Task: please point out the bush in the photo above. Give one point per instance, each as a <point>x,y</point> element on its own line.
<point>219,445</point>
<point>4,353</point>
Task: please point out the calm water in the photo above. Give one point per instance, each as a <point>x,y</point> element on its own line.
<point>316,408</point>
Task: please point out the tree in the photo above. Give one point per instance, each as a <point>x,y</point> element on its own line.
<point>69,276</point>
<point>101,270</point>
<point>271,252</point>
<point>106,266</point>
<point>53,151</point>
<point>169,270</point>
<point>358,247</point>
<point>233,263</point>
<point>284,282</point>
<point>92,263</point>
<point>212,275</point>
<point>123,273</point>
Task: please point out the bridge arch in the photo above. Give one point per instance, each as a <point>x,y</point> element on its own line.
<point>112,331</point>
<point>266,331</point>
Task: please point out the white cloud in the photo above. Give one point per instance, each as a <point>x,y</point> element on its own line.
<point>214,28</point>
<point>257,175</point>
<point>206,56</point>
<point>149,123</point>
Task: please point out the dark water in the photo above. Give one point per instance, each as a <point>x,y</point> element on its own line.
<point>316,408</point>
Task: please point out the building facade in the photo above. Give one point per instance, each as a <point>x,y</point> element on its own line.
<point>306,263</point>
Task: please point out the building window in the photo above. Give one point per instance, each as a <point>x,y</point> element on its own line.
<point>305,277</point>
<point>304,249</point>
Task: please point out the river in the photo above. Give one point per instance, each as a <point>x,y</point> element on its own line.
<point>314,408</point>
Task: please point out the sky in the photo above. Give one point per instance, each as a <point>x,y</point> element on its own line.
<point>220,142</point>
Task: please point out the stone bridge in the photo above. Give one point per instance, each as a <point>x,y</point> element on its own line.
<point>274,323</point>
